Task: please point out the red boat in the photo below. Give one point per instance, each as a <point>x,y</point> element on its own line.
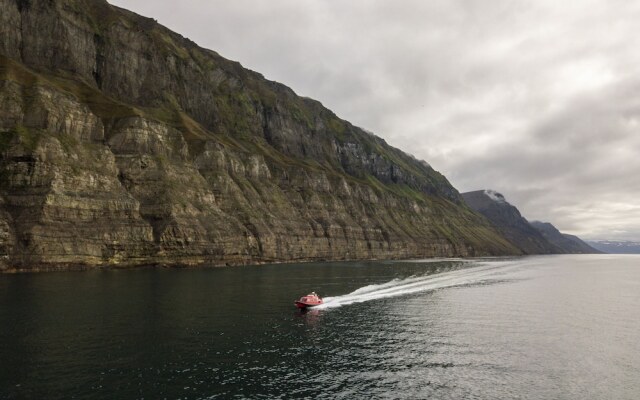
<point>310,300</point>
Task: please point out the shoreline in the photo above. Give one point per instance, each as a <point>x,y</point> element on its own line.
<point>72,267</point>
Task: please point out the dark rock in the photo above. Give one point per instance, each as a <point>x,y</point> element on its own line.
<point>568,243</point>
<point>509,222</point>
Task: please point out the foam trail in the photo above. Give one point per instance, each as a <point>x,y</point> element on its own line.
<point>399,287</point>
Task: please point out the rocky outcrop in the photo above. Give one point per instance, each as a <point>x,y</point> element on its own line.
<point>568,243</point>
<point>123,143</point>
<point>509,222</point>
<point>7,237</point>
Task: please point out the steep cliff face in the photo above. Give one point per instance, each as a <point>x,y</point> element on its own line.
<point>123,143</point>
<point>509,222</point>
<point>568,243</point>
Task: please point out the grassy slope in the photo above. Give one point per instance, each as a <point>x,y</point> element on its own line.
<point>234,105</point>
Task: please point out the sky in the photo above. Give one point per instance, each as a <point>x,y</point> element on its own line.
<point>538,100</point>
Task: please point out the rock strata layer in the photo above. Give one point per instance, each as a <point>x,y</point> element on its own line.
<point>123,143</point>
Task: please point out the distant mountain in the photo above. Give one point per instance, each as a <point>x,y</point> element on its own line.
<point>509,222</point>
<point>568,243</point>
<point>616,247</point>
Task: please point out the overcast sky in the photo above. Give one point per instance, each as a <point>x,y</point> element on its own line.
<point>539,100</point>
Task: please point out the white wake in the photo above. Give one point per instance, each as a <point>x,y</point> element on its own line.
<point>416,284</point>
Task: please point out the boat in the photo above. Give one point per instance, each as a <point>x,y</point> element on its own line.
<point>308,301</point>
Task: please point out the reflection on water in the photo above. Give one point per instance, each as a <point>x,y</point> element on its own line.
<point>540,327</point>
<point>311,317</point>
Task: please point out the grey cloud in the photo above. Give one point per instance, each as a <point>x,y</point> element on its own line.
<point>535,99</point>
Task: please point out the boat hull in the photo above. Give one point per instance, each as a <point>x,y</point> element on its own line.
<point>303,305</point>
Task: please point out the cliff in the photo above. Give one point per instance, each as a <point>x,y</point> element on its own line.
<point>568,243</point>
<point>123,143</point>
<point>509,222</point>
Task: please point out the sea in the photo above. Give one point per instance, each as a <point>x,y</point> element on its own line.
<point>539,327</point>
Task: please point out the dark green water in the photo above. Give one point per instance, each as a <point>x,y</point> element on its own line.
<point>554,327</point>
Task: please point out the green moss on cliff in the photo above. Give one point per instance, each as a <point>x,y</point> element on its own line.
<point>337,127</point>
<point>102,105</point>
<point>25,137</point>
<point>29,138</point>
<point>168,46</point>
<point>6,138</point>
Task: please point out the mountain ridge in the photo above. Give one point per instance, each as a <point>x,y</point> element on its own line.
<point>568,243</point>
<point>124,144</point>
<point>616,246</point>
<point>533,237</point>
<point>509,222</point>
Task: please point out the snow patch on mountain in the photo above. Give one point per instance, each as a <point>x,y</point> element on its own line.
<point>495,196</point>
